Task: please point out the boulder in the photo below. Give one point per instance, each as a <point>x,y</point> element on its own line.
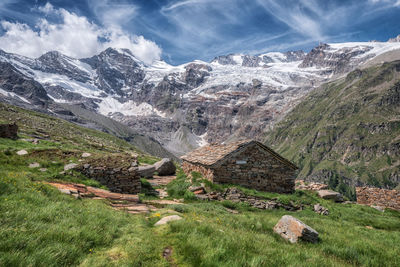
<point>167,219</point>
<point>329,194</point>
<point>293,229</point>
<point>321,209</point>
<point>165,167</point>
<point>9,131</point>
<point>146,171</point>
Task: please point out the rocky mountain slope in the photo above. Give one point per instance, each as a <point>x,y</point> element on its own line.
<point>347,131</point>
<point>182,107</point>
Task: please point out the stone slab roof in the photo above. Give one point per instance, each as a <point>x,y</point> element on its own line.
<point>213,153</point>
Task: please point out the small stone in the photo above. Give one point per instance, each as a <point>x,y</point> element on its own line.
<point>292,229</point>
<point>167,219</point>
<point>86,166</point>
<point>86,155</point>
<point>34,165</point>
<point>321,209</point>
<point>43,169</point>
<point>380,208</point>
<point>64,191</point>
<point>70,166</point>
<point>329,194</point>
<point>22,152</point>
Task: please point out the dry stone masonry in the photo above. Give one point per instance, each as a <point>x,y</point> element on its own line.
<point>118,172</point>
<point>9,131</point>
<point>378,197</point>
<point>247,163</point>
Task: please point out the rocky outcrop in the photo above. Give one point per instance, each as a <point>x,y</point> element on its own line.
<point>293,230</point>
<point>378,197</point>
<point>9,131</point>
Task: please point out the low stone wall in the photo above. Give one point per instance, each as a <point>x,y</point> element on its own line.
<point>378,197</point>
<point>188,168</point>
<point>9,131</point>
<point>119,174</point>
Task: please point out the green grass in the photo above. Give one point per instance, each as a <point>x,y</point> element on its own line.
<point>39,226</point>
<point>42,227</point>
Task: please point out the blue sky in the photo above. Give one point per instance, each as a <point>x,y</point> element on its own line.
<point>181,31</point>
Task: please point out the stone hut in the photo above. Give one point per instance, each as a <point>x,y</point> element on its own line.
<point>247,163</point>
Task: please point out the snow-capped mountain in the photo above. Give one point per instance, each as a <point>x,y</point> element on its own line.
<point>187,105</point>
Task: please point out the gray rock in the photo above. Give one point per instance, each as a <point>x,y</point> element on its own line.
<point>380,208</point>
<point>165,167</point>
<point>329,194</point>
<point>22,152</point>
<point>70,166</point>
<point>86,155</point>
<point>146,171</point>
<point>43,169</point>
<point>167,219</point>
<point>34,165</point>
<point>64,191</point>
<point>321,209</point>
<point>292,229</point>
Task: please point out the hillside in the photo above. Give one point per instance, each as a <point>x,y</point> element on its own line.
<point>42,226</point>
<point>346,132</point>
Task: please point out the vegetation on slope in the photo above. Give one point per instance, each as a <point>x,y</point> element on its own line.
<point>42,227</point>
<point>346,132</point>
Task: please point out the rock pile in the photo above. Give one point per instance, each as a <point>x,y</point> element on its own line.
<point>292,229</point>
<point>118,172</point>
<point>321,209</point>
<point>9,131</point>
<point>313,186</point>
<point>236,195</point>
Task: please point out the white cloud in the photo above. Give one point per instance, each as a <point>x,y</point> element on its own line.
<point>74,36</point>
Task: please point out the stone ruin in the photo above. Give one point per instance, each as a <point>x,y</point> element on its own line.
<point>9,131</point>
<point>118,172</point>
<point>378,197</point>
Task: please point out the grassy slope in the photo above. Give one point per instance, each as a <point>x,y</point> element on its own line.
<point>42,227</point>
<point>346,129</point>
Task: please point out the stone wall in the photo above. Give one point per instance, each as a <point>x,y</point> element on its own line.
<point>378,197</point>
<point>9,131</point>
<point>252,167</point>
<point>119,174</point>
<point>188,168</point>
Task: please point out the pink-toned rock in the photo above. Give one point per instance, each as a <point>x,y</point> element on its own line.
<point>293,229</point>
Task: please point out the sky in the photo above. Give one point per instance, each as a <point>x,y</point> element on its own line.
<point>180,31</point>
